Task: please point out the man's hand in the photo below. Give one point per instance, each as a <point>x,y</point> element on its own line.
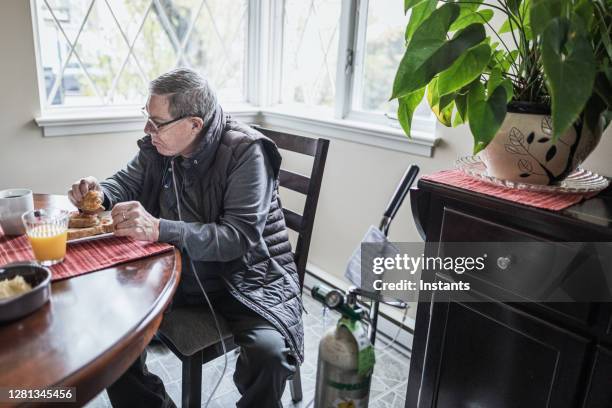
<point>81,187</point>
<point>132,220</point>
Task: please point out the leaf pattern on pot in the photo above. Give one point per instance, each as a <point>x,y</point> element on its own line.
<point>515,150</point>
<point>525,165</point>
<point>516,137</point>
<point>543,139</point>
<point>530,138</point>
<point>547,125</point>
<point>551,152</point>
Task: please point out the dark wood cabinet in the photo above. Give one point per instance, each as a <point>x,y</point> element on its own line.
<point>599,386</point>
<point>475,351</point>
<point>495,356</point>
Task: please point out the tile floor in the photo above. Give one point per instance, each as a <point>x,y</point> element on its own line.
<point>388,383</point>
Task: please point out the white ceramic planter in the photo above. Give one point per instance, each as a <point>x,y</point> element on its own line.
<point>523,151</point>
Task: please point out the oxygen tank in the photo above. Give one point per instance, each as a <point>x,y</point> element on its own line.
<point>346,357</point>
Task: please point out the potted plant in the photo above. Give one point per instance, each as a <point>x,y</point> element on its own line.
<point>536,92</point>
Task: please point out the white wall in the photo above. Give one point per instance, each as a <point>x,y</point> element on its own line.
<point>358,179</point>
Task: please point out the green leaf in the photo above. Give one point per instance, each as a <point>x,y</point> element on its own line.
<point>604,32</point>
<point>503,60</point>
<point>433,98</point>
<point>505,28</point>
<point>407,106</point>
<point>496,79</point>
<point>418,15</point>
<point>427,39</point>
<point>429,53</point>
<point>472,5</point>
<point>408,4</point>
<point>593,111</point>
<point>446,114</point>
<point>442,100</point>
<point>512,56</point>
<point>499,60</point>
<point>447,100</point>
<point>514,6</point>
<point>442,107</point>
<point>603,85</point>
<point>461,105</point>
<point>485,114</point>
<point>569,65</point>
<point>543,12</point>
<point>607,70</point>
<point>524,16</point>
<point>585,12</point>
<point>465,69</point>
<point>482,16</point>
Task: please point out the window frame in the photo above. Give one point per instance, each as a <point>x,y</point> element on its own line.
<point>359,24</point>
<point>262,91</point>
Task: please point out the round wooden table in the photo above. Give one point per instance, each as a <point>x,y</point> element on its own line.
<point>93,328</point>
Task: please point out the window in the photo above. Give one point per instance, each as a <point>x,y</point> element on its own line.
<point>341,56</point>
<point>310,51</point>
<point>104,52</point>
<point>302,64</point>
<point>380,46</point>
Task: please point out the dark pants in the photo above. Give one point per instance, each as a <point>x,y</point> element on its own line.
<point>262,369</point>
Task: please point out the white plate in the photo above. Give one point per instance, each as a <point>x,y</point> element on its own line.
<point>91,238</point>
<point>578,182</point>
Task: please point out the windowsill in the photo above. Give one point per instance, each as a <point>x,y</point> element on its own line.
<point>72,122</point>
<point>87,122</point>
<point>299,119</point>
<point>321,123</point>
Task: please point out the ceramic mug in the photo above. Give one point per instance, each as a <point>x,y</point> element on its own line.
<point>14,203</point>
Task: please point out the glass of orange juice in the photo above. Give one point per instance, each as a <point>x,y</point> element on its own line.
<point>47,230</point>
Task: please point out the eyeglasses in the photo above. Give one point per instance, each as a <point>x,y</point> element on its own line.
<point>158,127</point>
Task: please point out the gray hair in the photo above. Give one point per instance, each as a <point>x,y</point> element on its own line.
<point>188,93</point>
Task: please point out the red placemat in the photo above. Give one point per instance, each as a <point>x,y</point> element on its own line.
<point>83,257</point>
<point>549,201</point>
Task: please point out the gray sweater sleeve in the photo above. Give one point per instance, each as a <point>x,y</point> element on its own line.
<point>126,184</point>
<point>246,205</point>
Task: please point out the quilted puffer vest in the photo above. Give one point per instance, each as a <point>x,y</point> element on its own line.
<point>265,279</point>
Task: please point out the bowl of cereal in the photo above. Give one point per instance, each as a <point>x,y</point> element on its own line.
<point>24,287</point>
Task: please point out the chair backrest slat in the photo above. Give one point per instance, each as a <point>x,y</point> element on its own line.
<point>293,220</point>
<point>294,181</point>
<point>294,143</point>
<point>310,186</point>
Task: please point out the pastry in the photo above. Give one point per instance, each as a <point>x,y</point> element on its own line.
<point>107,224</point>
<point>92,202</point>
<point>79,220</point>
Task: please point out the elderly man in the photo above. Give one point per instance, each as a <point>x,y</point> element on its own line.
<point>208,185</point>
